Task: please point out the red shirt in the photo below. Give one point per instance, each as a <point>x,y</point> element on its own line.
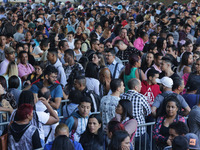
<point>150,91</point>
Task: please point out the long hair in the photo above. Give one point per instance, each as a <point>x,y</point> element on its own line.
<point>127,108</point>
<point>23,111</point>
<point>62,142</point>
<point>26,97</point>
<point>12,69</point>
<point>133,58</point>
<point>101,57</point>
<point>184,60</point>
<point>91,70</point>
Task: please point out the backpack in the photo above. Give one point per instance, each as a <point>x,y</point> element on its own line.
<point>161,111</point>
<point>95,100</point>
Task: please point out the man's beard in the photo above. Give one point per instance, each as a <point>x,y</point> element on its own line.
<point>49,81</point>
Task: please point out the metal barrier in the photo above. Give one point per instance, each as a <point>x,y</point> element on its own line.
<point>4,120</point>
<point>124,62</point>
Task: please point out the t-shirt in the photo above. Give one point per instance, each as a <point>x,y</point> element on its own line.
<point>191,99</point>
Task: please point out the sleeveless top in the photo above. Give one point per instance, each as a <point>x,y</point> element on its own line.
<point>128,77</point>
<point>25,143</point>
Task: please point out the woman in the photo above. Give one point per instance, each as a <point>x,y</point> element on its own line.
<point>194,77</point>
<point>161,129</point>
<point>106,35</point>
<point>185,64</point>
<point>148,62</point>
<point>141,40</point>
<point>62,142</point>
<point>92,138</point>
<point>98,59</point>
<point>21,134</point>
<point>124,114</point>
<point>132,70</point>
<point>77,49</point>
<point>120,141</point>
<point>12,69</point>
<point>38,74</point>
<point>91,74</point>
<point>162,45</point>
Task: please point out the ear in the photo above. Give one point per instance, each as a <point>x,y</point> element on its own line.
<point>46,76</point>
<point>150,78</point>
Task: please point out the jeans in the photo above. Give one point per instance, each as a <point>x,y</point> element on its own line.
<point>143,143</point>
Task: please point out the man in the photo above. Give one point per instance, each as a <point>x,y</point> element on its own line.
<point>98,31</point>
<point>114,67</point>
<point>141,109</point>
<point>24,68</point>
<point>2,46</point>
<point>109,102</point>
<point>184,34</point>
<point>166,86</point>
<point>53,35</point>
<point>95,44</point>
<point>53,60</point>
<point>174,33</point>
<point>63,46</point>
<point>123,36</point>
<point>9,56</point>
<point>74,21</point>
<point>18,36</point>
<point>50,78</point>
<point>150,88</point>
<point>10,27</point>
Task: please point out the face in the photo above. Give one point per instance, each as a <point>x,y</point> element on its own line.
<point>93,125</point>
<point>2,40</point>
<point>65,46</point>
<point>70,37</point>
<point>139,86</point>
<point>109,58</point>
<point>79,30</point>
<point>171,108</point>
<point>123,33</point>
<point>195,57</point>
<point>119,109</point>
<point>153,79</point>
<point>95,59</point>
<point>190,60</point>
<point>84,109</point>
<point>11,56</point>
<point>99,29</point>
<point>146,38</point>
<point>38,70</point>
<point>96,46</point>
<point>187,30</point>
<point>197,66</point>
<point>172,134</point>
<point>153,39</point>
<point>68,59</point>
<point>101,47</point>
<point>50,57</point>
<point>163,66</point>
<point>170,40</point>
<point>65,21</point>
<point>28,36</point>
<point>126,143</point>
<point>2,91</point>
<point>189,48</point>
<point>170,51</point>
<point>52,78</point>
<point>149,58</point>
<point>30,116</point>
<point>122,87</point>
<point>78,45</point>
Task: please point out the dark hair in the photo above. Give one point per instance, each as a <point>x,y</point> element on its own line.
<point>50,69</point>
<point>173,98</point>
<point>70,52</point>
<point>53,51</point>
<point>180,143</point>
<point>93,41</point>
<point>3,82</point>
<point>152,46</point>
<point>160,42</point>
<point>86,99</point>
<point>18,26</point>
<point>151,73</point>
<point>184,60</point>
<point>91,70</point>
<point>167,60</point>
<point>114,126</point>
<point>127,108</point>
<point>179,127</point>
<point>61,43</point>
<point>62,142</point>
<point>13,82</point>
<point>75,96</point>
<point>157,55</point>
<point>178,81</point>
<point>26,97</point>
<point>84,61</point>
<point>111,50</point>
<point>21,53</point>
<point>44,43</point>
<point>133,58</point>
<point>40,64</point>
<point>71,32</point>
<point>115,84</point>
<point>24,110</point>
<point>99,119</point>
<point>116,140</point>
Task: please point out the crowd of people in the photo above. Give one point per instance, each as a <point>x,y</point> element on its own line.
<point>119,65</point>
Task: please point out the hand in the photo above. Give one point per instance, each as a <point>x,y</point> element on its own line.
<point>29,82</point>
<point>169,142</point>
<point>125,147</point>
<point>44,100</point>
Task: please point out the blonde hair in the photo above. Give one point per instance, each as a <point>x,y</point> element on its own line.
<point>12,69</point>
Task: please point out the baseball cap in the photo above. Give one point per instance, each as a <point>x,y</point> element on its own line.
<point>9,50</point>
<point>193,141</point>
<point>40,20</point>
<point>180,143</point>
<point>31,25</point>
<point>166,81</point>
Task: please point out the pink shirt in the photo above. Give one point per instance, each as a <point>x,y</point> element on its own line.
<point>139,44</point>
<point>119,38</point>
<point>25,70</point>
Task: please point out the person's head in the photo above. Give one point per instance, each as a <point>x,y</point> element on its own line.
<point>44,44</point>
<point>9,53</point>
<point>98,28</point>
<point>152,75</point>
<point>144,36</point>
<point>187,59</point>
<point>52,55</point>
<point>62,142</point>
<point>114,126</point>
<point>26,97</point>
<point>134,60</point>
<point>38,36</point>
<point>95,44</point>
<point>2,40</point>
<point>104,75</point>
<point>161,43</point>
<point>153,48</point>
<point>196,55</point>
<point>187,28</point>
<point>134,84</point>
<point>197,65</point>
<point>180,143</point>
<point>110,55</point>
<point>45,93</point>
<point>3,82</point>
<point>62,129</point>
<point>94,124</point>
<point>117,85</point>
<point>189,46</point>
<point>56,27</point>
<point>176,129</point>
<point>39,67</point>
<point>23,56</point>
<point>171,50</point>
<point>125,108</point>
<point>13,82</point>
<point>193,141</point>
<point>120,45</point>
<point>166,83</point>
<point>84,106</point>
<point>123,33</point>
<point>80,83</point>
<point>170,39</point>
<point>70,36</point>
<point>166,64</point>
<point>158,59</point>
<point>25,112</point>
<point>19,28</point>
<point>172,106</point>
<point>149,58</point>
<point>50,74</point>
<point>69,56</point>
<point>119,141</point>
<point>178,85</point>
<point>98,59</point>
<point>91,70</point>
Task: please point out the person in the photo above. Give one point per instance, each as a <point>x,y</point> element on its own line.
<point>21,134</point>
<point>139,43</point>
<point>18,36</point>
<point>166,86</point>
<point>162,45</point>
<point>161,128</point>
<point>193,141</point>
<point>53,59</point>
<point>63,130</point>
<point>132,70</point>
<point>2,46</point>
<point>124,114</point>
<point>141,109</point>
<point>9,56</point>
<point>120,141</point>
<point>70,39</point>
<point>109,102</point>
<point>98,59</point>
<point>180,143</point>
<point>62,142</point>
<point>50,78</point>
<point>77,122</point>
<point>92,138</point>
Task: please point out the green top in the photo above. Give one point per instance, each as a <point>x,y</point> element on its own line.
<point>128,77</point>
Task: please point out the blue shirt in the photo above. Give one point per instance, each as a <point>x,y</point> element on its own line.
<point>119,68</point>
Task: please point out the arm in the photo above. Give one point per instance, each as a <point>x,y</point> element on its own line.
<point>146,106</point>
<point>186,111</point>
<point>142,75</point>
<point>53,115</point>
<point>186,70</point>
<point>55,104</point>
<point>153,111</point>
<point>10,110</point>
<point>131,126</point>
